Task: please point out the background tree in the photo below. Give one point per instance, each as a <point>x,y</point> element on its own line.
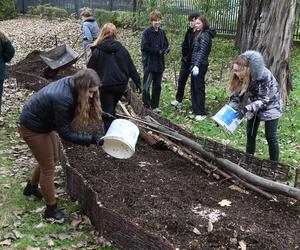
<point>267,26</point>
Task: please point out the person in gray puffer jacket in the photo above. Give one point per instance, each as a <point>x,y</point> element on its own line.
<point>90,29</point>
<point>256,95</point>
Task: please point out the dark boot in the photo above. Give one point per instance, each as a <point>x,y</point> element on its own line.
<point>52,212</point>
<point>32,190</point>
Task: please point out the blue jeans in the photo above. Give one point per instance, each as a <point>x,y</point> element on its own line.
<point>270,134</point>
<point>1,92</point>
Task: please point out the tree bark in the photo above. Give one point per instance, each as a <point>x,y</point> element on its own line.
<point>267,26</point>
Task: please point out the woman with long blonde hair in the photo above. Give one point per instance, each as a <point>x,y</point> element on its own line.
<point>256,94</point>
<point>62,108</point>
<point>113,63</point>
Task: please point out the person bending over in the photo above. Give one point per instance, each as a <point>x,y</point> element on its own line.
<point>62,109</point>
<point>256,94</point>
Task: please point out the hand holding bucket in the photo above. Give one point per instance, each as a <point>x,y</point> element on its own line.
<point>120,139</point>
<point>228,118</point>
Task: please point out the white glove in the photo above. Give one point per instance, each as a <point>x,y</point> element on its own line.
<point>195,71</point>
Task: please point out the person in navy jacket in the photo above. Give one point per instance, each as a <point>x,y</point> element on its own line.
<point>154,47</point>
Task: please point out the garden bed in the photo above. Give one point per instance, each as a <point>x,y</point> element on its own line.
<point>158,200</point>
<point>158,192</point>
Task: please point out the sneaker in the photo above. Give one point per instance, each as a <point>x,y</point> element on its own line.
<point>32,190</point>
<point>52,212</point>
<point>200,117</point>
<point>192,116</point>
<point>156,110</point>
<point>176,104</point>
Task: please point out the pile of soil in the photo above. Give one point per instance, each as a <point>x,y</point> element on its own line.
<point>168,196</point>
<point>29,72</point>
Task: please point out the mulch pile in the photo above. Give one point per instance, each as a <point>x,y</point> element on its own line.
<point>29,72</point>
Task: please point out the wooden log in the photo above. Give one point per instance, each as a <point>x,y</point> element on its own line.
<point>187,154</point>
<point>268,185</point>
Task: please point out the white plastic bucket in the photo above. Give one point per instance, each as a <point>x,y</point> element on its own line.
<point>120,139</point>
<point>227,118</point>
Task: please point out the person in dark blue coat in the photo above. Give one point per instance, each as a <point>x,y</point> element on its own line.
<point>201,50</point>
<point>62,109</point>
<point>7,52</point>
<point>154,47</point>
<point>113,63</point>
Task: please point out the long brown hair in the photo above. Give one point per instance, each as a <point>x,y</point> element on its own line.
<point>205,25</point>
<point>88,110</point>
<point>108,30</point>
<point>235,85</point>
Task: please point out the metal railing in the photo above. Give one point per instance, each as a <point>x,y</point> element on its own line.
<point>223,15</point>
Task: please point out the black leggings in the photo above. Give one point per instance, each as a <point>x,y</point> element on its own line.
<point>109,97</point>
<point>270,134</point>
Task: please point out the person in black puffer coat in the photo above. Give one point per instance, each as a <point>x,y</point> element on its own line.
<point>113,63</point>
<point>64,106</point>
<point>201,50</point>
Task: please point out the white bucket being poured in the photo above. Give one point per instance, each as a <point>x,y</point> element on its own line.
<point>120,139</point>
<point>227,118</point>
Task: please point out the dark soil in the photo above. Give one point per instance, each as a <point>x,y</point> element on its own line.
<point>29,72</point>
<point>166,195</point>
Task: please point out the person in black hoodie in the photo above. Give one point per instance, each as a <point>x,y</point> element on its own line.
<point>113,63</point>
<point>64,106</point>
<point>187,49</point>
<point>201,50</point>
<point>154,47</point>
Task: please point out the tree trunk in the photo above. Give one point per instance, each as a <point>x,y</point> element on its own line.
<point>267,26</point>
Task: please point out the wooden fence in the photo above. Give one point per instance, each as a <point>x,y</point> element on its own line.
<point>223,15</point>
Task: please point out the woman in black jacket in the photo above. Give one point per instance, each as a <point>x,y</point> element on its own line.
<point>65,106</point>
<point>111,60</point>
<point>201,50</point>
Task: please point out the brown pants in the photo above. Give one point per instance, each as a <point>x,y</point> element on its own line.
<point>44,147</point>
